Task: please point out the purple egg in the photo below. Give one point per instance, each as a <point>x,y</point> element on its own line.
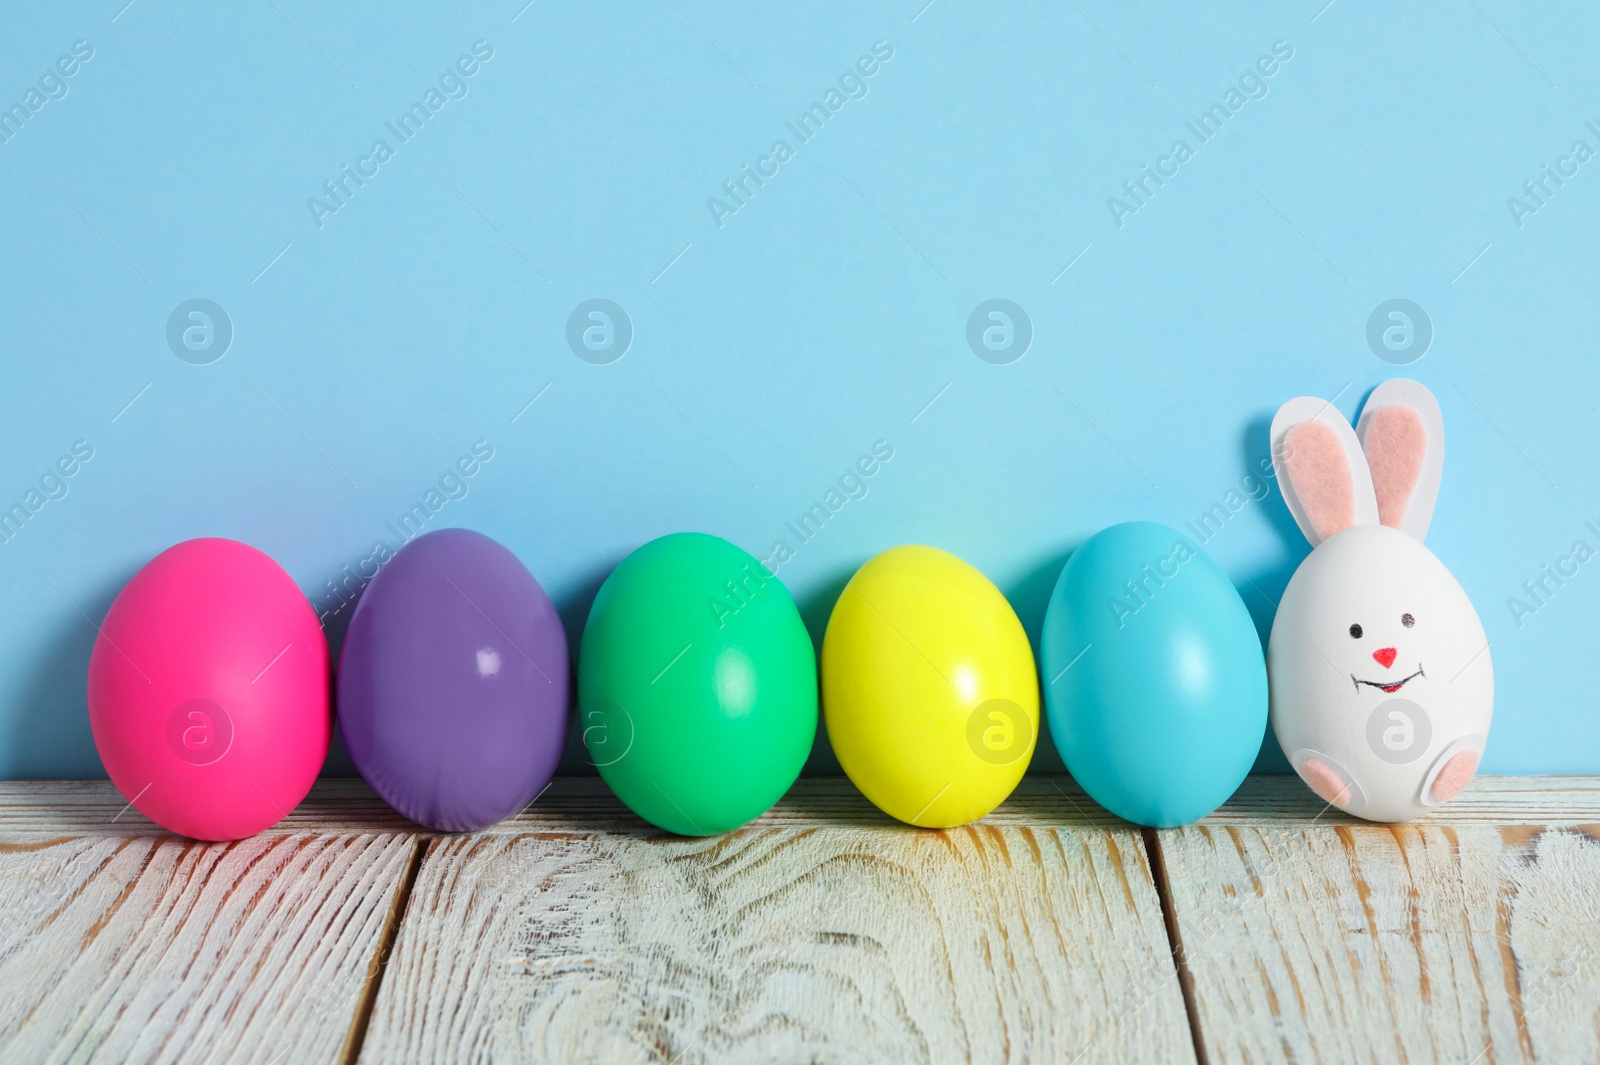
<point>453,682</point>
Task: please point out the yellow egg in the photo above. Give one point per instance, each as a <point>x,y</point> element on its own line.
<point>928,688</point>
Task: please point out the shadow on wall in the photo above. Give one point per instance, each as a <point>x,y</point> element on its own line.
<point>55,690</point>
<point>574,613</point>
<point>56,693</point>
<point>334,627</point>
<point>54,727</point>
<point>1263,590</point>
<point>815,610</point>
<point>1030,597</point>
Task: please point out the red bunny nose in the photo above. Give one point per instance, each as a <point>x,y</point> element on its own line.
<point>1385,656</point>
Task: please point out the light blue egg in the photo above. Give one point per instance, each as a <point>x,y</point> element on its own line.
<point>1154,678</point>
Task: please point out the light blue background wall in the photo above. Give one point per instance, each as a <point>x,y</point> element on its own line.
<point>768,353</point>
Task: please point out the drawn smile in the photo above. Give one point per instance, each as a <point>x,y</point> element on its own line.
<point>1391,687</point>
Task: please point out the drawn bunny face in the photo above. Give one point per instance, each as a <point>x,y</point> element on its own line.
<point>1381,682</point>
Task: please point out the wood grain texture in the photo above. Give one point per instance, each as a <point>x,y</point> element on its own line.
<point>848,938</point>
<point>155,949</point>
<point>1432,941</point>
<point>1492,800</point>
<point>93,807</point>
<point>33,808</point>
<point>823,931</point>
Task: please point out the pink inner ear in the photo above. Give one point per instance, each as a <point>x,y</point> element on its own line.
<point>1395,443</point>
<point>1319,469</point>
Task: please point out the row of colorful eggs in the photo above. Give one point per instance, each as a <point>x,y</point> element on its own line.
<point>697,684</point>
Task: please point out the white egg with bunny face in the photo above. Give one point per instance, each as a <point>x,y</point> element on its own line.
<point>1380,677</point>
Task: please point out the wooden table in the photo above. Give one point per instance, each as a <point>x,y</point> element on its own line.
<point>1275,930</point>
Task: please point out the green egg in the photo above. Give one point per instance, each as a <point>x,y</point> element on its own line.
<point>697,685</point>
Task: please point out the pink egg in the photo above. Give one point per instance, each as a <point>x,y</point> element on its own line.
<point>208,691</point>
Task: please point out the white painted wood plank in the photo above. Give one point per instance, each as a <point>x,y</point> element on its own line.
<point>34,808</point>
<point>1491,800</point>
<point>823,930</point>
<point>156,949</point>
<point>785,942</point>
<point>93,807</point>
<point>1432,941</point>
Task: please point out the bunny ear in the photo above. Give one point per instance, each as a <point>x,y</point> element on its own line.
<point>1321,469</point>
<point>1402,434</point>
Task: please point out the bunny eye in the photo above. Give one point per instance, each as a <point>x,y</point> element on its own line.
<point>1355,631</point>
<point>1407,620</point>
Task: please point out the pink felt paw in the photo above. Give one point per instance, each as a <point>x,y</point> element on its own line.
<point>1455,776</point>
<point>1326,781</point>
